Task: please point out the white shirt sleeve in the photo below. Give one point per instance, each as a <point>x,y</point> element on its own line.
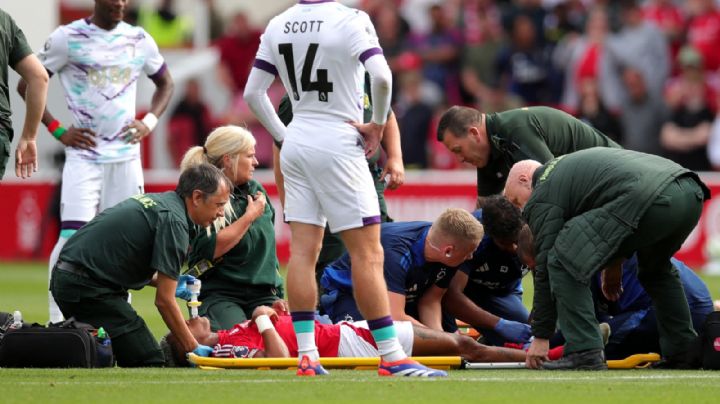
<point>362,36</point>
<point>154,61</point>
<point>257,99</point>
<point>380,87</point>
<point>265,52</point>
<point>54,55</point>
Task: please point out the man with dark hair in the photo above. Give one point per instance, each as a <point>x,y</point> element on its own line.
<point>486,292</point>
<point>494,142</point>
<point>141,241</point>
<point>588,211</point>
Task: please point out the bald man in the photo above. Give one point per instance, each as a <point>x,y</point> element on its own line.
<point>588,210</point>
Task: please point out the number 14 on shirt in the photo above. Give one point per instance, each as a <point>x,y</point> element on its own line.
<point>321,85</point>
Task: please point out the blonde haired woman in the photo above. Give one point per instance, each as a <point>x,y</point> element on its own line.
<point>236,255</point>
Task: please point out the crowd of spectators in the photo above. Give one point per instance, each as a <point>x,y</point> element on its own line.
<point>646,73</point>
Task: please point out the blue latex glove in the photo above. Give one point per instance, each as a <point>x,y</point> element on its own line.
<point>181,290</point>
<point>513,331</point>
<point>203,350</point>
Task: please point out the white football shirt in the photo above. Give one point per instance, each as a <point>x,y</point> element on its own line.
<point>318,50</point>
<point>99,70</point>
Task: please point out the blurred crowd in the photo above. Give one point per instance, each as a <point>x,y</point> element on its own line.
<point>646,73</point>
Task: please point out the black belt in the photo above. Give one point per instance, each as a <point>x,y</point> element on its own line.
<point>72,268</point>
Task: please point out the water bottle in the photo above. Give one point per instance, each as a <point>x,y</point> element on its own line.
<point>17,320</point>
<point>104,349</point>
<point>194,287</point>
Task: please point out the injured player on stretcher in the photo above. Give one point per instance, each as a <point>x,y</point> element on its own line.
<point>345,339</point>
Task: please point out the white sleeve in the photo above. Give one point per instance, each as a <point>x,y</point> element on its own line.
<point>264,51</point>
<point>380,87</point>
<point>257,99</point>
<point>362,37</point>
<point>154,61</point>
<point>54,55</point>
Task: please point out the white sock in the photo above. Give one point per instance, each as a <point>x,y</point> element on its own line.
<point>55,313</point>
<point>391,350</point>
<point>306,345</point>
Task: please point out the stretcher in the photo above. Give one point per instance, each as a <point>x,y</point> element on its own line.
<point>437,362</point>
<point>637,361</point>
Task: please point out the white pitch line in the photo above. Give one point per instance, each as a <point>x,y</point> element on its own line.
<point>355,380</point>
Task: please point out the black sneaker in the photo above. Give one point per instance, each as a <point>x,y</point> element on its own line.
<point>591,359</point>
<point>691,358</point>
<point>679,362</point>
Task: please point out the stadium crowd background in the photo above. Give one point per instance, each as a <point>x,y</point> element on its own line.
<point>647,73</point>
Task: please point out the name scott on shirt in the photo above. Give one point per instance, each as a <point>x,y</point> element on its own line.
<point>302,26</point>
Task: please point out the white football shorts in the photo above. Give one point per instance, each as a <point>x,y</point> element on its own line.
<point>354,346</point>
<point>89,188</point>
<point>322,187</point>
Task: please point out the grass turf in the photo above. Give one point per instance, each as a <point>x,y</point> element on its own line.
<point>23,286</point>
<point>185,385</point>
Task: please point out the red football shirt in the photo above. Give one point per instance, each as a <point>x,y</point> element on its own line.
<point>327,337</point>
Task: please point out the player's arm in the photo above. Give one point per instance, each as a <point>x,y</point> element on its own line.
<point>430,308</point>
<point>54,58</point>
<point>285,114</point>
<point>460,306</point>
<point>35,76</point>
<point>380,89</point>
<point>363,42</point>
<point>81,138</point>
<point>397,308</point>
<point>275,347</point>
<point>261,77</point>
<point>391,144</point>
<point>164,87</point>
<point>170,312</point>
<point>277,173</point>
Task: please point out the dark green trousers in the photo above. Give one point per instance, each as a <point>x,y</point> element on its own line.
<point>224,311</point>
<point>4,153</point>
<point>102,306</point>
<point>660,233</point>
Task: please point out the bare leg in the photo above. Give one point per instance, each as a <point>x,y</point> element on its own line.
<point>366,257</point>
<point>305,243</point>
<point>55,313</point>
<point>429,342</point>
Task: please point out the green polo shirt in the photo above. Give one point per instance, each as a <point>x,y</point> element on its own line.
<point>252,261</point>
<point>126,244</point>
<point>13,48</point>
<point>536,133</point>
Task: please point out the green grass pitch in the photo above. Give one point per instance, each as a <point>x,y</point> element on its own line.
<point>23,286</point>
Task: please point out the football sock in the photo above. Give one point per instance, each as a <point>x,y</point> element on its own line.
<point>55,313</point>
<point>304,326</point>
<point>383,331</point>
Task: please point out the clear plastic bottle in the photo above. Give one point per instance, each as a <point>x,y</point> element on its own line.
<point>17,319</point>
